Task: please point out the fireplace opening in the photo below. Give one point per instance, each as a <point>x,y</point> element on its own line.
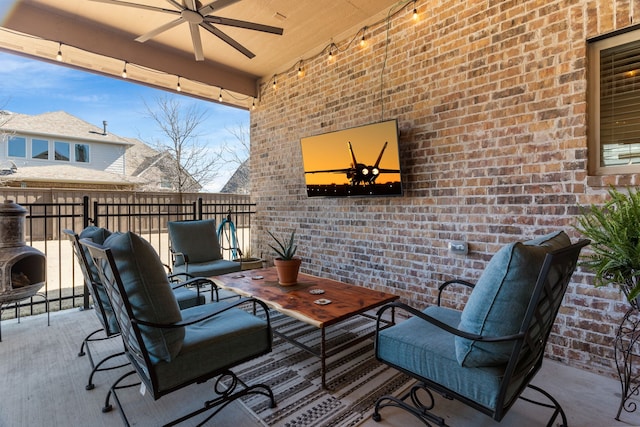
<point>29,270</point>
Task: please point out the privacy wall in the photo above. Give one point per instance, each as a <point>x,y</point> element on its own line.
<point>490,98</point>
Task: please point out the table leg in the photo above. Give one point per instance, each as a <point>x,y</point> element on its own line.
<point>323,367</point>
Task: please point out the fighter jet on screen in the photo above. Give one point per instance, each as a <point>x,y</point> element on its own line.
<point>359,173</point>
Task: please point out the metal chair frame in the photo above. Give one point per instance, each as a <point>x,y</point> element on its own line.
<point>227,385</point>
<point>527,354</point>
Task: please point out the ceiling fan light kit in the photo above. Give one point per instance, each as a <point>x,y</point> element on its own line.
<point>197,16</point>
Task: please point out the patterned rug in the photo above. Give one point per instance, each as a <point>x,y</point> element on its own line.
<point>354,377</point>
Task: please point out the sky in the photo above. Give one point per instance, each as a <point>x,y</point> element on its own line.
<point>33,87</point>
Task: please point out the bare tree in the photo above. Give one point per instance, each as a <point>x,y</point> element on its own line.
<point>8,166</point>
<point>237,153</point>
<point>192,163</point>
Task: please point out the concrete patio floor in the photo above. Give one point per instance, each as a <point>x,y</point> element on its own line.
<point>44,384</point>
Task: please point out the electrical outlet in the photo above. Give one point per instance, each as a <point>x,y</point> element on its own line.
<point>459,248</point>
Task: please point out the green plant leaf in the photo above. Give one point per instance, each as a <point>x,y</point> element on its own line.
<point>285,249</point>
<point>614,231</point>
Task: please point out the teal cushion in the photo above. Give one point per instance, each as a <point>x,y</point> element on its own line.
<point>99,235</point>
<point>197,239</point>
<point>497,304</point>
<point>208,269</point>
<point>149,293</point>
<point>187,298</point>
<point>422,348</point>
<point>96,235</point>
<point>214,344</point>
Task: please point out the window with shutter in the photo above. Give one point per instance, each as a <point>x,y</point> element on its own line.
<point>614,104</point>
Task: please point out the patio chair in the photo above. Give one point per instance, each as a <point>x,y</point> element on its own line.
<point>488,354</point>
<point>170,349</point>
<point>195,251</point>
<point>186,298</point>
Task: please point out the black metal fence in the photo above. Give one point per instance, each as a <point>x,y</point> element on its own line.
<point>65,286</point>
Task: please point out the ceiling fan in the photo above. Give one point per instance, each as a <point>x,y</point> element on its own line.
<point>196,15</point>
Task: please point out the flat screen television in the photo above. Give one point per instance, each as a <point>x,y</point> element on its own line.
<point>360,161</point>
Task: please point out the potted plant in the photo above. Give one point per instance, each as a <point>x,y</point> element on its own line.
<point>614,230</point>
<point>248,262</point>
<point>287,264</point>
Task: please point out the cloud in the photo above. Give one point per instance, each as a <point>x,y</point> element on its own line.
<point>28,75</point>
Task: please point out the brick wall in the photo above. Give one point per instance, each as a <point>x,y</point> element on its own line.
<point>490,98</point>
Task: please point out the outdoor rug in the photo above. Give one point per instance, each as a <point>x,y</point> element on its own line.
<point>354,377</point>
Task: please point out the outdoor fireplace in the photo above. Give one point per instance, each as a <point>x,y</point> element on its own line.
<point>22,267</point>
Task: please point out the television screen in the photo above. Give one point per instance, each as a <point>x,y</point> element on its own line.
<point>361,161</point>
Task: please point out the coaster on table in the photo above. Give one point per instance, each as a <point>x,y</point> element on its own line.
<point>322,301</point>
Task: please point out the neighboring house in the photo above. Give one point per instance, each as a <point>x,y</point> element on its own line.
<point>239,181</point>
<point>60,150</point>
<point>155,168</point>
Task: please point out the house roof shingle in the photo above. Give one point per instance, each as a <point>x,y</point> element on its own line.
<point>61,124</point>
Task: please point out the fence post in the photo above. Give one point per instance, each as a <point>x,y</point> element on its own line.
<point>199,208</point>
<point>85,224</point>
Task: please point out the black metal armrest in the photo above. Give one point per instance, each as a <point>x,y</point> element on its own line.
<point>222,307</point>
<point>450,329</point>
<point>192,281</point>
<point>176,254</point>
<point>174,277</point>
<point>446,284</point>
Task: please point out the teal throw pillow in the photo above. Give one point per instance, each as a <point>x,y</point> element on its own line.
<point>149,293</point>
<point>197,239</point>
<point>498,303</point>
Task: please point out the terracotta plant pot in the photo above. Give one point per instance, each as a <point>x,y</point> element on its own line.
<point>287,270</point>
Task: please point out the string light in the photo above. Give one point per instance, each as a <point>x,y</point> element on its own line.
<point>253,104</point>
<point>178,88</point>
<point>220,96</point>
<point>59,55</point>
<point>124,70</point>
<point>275,86</point>
<point>362,42</point>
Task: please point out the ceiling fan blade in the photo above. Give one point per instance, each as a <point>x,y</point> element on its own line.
<point>189,4</point>
<point>216,5</point>
<point>139,6</point>
<point>161,29</point>
<point>222,36</point>
<point>197,41</point>
<point>243,24</point>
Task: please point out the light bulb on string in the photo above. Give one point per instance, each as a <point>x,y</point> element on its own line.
<point>124,70</point>
<point>300,70</point>
<point>275,86</point>
<point>220,96</point>
<point>253,104</point>
<point>415,12</point>
<point>59,55</point>
<point>178,88</point>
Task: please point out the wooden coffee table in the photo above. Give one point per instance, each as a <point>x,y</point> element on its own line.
<point>299,301</point>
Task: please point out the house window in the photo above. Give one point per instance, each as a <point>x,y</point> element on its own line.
<point>614,104</point>
<point>62,151</point>
<point>40,149</point>
<point>17,146</point>
<point>82,153</point>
